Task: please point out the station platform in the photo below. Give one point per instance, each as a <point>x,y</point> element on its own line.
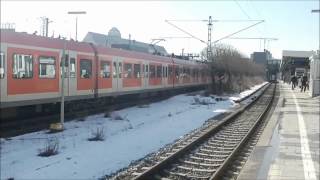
<point>288,148</point>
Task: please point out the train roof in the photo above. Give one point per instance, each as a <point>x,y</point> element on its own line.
<point>22,38</point>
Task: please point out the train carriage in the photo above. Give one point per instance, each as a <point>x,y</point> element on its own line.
<point>30,71</point>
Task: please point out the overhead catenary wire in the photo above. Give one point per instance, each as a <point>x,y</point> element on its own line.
<point>214,20</point>
<point>246,14</point>
<point>259,15</point>
<point>225,37</point>
<point>186,32</point>
<point>243,11</point>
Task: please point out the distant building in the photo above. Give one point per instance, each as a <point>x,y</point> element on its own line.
<point>294,63</point>
<point>114,40</point>
<point>273,66</point>
<point>261,57</point>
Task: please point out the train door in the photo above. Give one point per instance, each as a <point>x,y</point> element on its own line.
<point>145,80</point>
<point>117,64</point>
<point>3,73</point>
<point>72,79</point>
<point>164,75</point>
<point>66,74</point>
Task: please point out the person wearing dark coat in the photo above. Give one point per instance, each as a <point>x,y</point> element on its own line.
<point>304,81</point>
<point>293,82</point>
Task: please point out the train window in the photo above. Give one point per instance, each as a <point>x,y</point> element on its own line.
<point>85,68</point>
<point>170,71</point>
<point>22,66</point>
<point>163,71</point>
<point>166,71</point>
<point>66,63</point>
<point>105,69</point>
<point>1,65</point>
<point>159,71</point>
<point>72,67</point>
<point>188,72</point>
<point>114,70</point>
<point>47,67</point>
<point>120,69</point>
<point>183,72</point>
<point>147,71</point>
<point>128,70</point>
<point>152,71</point>
<point>177,72</point>
<point>136,70</point>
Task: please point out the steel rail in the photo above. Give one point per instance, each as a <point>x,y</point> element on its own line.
<point>220,171</point>
<point>181,152</point>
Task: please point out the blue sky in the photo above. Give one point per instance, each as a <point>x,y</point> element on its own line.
<point>290,21</point>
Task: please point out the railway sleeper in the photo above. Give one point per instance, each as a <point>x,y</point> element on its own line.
<point>196,170</point>
<point>235,132</point>
<point>219,146</point>
<point>195,158</point>
<point>239,162</point>
<point>231,175</point>
<point>225,139</point>
<point>209,165</point>
<point>226,143</point>
<point>236,168</point>
<point>136,173</point>
<point>145,168</point>
<point>222,142</point>
<point>217,156</point>
<point>239,129</point>
<point>176,175</point>
<point>228,136</point>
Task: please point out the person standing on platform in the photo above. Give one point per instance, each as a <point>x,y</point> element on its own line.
<point>304,81</point>
<point>293,82</point>
<point>299,82</point>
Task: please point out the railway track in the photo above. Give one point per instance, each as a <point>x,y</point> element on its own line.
<point>209,152</point>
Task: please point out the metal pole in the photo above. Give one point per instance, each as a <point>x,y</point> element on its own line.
<point>76,13</point>
<point>76,28</point>
<point>62,84</point>
<point>47,24</point>
<point>209,49</point>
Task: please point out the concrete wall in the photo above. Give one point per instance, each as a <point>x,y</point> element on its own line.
<point>314,75</point>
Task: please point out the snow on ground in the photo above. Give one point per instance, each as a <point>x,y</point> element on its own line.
<point>247,92</point>
<point>144,130</point>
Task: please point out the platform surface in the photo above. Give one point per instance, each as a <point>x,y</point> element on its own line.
<point>289,146</point>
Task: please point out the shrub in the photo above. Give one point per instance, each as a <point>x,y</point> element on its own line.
<point>143,105</point>
<point>117,116</point>
<point>196,100</point>
<point>113,115</point>
<point>107,114</point>
<point>199,101</point>
<point>51,148</point>
<point>97,135</point>
<point>205,102</point>
<point>81,119</point>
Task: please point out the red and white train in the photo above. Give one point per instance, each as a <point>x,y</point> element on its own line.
<point>30,71</point>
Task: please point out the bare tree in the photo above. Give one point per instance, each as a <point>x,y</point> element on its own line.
<point>230,71</point>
